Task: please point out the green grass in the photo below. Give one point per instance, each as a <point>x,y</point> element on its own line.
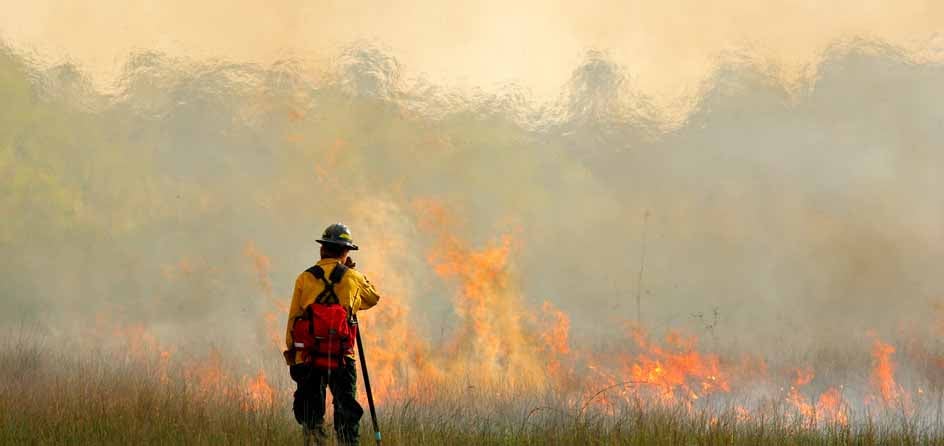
<point>48,398</point>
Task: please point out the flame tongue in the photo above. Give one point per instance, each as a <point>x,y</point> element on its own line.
<point>492,336</point>
<point>883,375</point>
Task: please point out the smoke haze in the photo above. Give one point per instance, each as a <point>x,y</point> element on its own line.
<point>788,204</point>
<point>671,47</point>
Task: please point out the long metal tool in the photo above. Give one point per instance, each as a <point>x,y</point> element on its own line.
<point>370,395</point>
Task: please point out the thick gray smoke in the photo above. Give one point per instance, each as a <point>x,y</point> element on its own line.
<point>770,215</point>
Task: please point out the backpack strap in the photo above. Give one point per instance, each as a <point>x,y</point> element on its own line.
<point>328,296</point>
<point>339,271</point>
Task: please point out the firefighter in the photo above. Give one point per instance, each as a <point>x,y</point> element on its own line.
<point>309,369</point>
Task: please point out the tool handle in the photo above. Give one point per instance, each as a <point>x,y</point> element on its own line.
<point>370,395</point>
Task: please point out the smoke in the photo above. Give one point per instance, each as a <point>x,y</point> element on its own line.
<point>189,198</point>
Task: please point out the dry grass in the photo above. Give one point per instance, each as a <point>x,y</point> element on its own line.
<point>106,399</point>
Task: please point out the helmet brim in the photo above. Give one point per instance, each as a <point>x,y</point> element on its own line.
<point>345,245</point>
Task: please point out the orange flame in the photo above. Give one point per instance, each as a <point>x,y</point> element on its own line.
<point>555,338</point>
<point>883,372</point>
<point>679,372</point>
<point>830,408</point>
<point>260,393</point>
<point>275,317</point>
<point>492,336</point>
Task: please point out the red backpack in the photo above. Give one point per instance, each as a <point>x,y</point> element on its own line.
<point>324,332</point>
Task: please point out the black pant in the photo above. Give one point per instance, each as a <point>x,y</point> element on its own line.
<point>309,405</point>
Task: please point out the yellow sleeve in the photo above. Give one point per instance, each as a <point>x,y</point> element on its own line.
<point>294,310</point>
<point>368,294</point>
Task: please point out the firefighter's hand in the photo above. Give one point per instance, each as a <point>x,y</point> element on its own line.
<point>349,262</point>
<point>289,356</point>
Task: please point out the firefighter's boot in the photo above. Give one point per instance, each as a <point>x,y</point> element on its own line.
<point>316,436</point>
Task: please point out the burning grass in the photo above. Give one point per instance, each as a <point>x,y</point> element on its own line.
<point>503,375</point>
<point>152,398</point>
<point>506,372</point>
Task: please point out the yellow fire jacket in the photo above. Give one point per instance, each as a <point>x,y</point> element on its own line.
<point>354,293</point>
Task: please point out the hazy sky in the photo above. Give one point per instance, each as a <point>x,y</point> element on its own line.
<point>668,46</point>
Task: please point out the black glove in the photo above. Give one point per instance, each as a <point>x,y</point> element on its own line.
<point>289,356</point>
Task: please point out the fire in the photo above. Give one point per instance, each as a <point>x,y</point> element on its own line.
<point>883,372</point>
<point>555,338</point>
<point>491,337</point>
<point>495,345</point>
<point>803,377</point>
<point>799,401</point>
<point>207,377</point>
<point>275,317</point>
<point>742,414</point>
<point>677,372</point>
<point>830,407</point>
<point>140,342</point>
<point>398,369</point>
<point>498,346</point>
<point>558,326</point>
<point>495,338</point>
<point>260,393</point>
<point>164,366</point>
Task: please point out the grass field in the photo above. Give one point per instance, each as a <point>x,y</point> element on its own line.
<point>121,398</point>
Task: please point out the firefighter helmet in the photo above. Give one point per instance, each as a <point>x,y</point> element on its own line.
<point>338,235</point>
